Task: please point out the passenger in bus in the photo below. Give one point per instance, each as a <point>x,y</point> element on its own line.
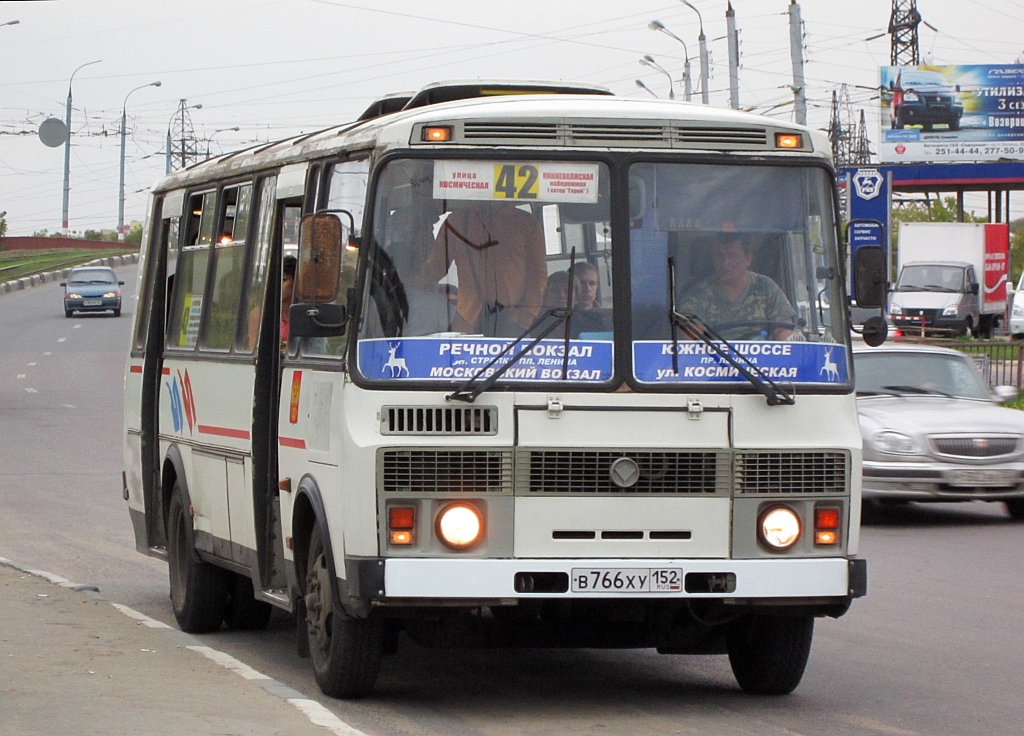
<point>587,275</point>
<point>287,286</point>
<point>749,303</point>
<point>498,252</point>
<point>582,320</point>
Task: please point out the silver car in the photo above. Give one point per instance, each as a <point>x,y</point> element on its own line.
<point>933,431</point>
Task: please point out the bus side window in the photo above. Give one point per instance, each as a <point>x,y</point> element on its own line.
<point>259,263</point>
<point>228,265</point>
<point>190,278</point>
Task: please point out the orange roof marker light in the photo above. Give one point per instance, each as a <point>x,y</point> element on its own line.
<point>789,140</point>
<point>437,133</point>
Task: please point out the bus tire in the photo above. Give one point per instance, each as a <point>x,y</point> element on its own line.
<point>345,651</point>
<point>768,654</point>
<point>1015,507</point>
<point>243,611</point>
<point>198,593</point>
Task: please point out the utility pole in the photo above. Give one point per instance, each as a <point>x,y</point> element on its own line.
<point>734,57</point>
<point>861,153</point>
<point>796,50</point>
<point>182,146</point>
<point>903,22</point>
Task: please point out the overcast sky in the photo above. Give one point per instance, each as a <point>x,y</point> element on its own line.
<point>281,67</point>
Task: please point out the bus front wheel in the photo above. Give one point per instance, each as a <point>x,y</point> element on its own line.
<point>198,591</point>
<point>345,651</point>
<point>768,654</point>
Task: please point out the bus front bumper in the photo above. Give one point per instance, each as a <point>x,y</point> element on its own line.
<point>412,579</point>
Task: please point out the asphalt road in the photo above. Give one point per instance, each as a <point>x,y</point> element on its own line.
<point>936,648</point>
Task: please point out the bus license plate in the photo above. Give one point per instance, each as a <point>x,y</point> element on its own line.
<point>982,477</point>
<point>627,580</point>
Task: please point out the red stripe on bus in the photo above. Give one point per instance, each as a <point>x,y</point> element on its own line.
<point>136,369</point>
<point>240,434</point>
<point>291,442</point>
<point>166,371</point>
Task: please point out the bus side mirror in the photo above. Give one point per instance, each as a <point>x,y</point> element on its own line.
<point>326,262</point>
<point>869,276</point>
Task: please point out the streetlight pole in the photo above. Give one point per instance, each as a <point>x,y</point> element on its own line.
<point>648,60</point>
<point>10,23</point>
<point>703,54</point>
<point>120,191</point>
<point>210,139</point>
<point>67,150</point>
<point>641,85</point>
<point>657,25</point>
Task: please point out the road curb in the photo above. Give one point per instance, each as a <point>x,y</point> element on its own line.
<point>316,713</point>
<point>42,278</point>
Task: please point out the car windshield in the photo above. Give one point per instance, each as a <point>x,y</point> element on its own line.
<point>923,78</point>
<point>913,373</point>
<point>931,278</point>
<point>93,276</point>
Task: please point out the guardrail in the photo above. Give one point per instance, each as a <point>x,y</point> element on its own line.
<point>1001,362</point>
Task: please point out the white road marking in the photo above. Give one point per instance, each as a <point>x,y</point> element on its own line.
<point>21,375</point>
<point>31,364</point>
<point>76,327</point>
<point>47,353</point>
<point>31,391</point>
<point>62,339</point>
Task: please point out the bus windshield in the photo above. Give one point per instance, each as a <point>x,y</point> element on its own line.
<point>743,255</point>
<point>469,255</point>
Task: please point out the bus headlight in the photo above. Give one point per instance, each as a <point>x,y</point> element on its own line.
<point>460,526</point>
<point>779,527</point>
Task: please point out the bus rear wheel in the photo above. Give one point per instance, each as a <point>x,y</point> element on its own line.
<point>198,592</point>
<point>345,651</point>
<point>768,654</point>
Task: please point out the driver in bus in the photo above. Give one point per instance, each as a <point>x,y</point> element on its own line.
<point>735,295</point>
<point>498,251</point>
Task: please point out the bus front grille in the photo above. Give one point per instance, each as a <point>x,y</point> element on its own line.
<point>445,471</point>
<point>639,472</point>
<point>439,420</point>
<point>643,133</point>
<point>784,472</point>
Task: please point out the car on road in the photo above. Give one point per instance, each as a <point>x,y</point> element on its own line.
<point>925,98</point>
<point>92,289</point>
<point>933,431</point>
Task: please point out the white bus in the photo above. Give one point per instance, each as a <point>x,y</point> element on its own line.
<point>516,398</point>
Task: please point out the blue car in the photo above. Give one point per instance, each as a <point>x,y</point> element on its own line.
<point>92,289</point>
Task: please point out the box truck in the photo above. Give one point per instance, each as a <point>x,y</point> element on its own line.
<point>952,278</point>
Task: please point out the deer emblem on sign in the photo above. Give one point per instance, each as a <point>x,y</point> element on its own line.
<point>830,369</point>
<point>395,364</point>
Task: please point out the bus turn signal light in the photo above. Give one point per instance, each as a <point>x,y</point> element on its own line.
<point>401,522</point>
<point>789,140</point>
<point>437,133</point>
<point>826,526</point>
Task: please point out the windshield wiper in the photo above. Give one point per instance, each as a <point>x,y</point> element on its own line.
<point>695,327</point>
<point>916,390</point>
<point>469,391</point>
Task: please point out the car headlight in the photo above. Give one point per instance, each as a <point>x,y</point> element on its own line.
<point>910,96</point>
<point>894,443</point>
<point>779,527</point>
<point>950,311</point>
<point>110,294</point>
<point>73,296</point>
<point>1018,310</point>
<point>895,309</point>
<point>460,526</point>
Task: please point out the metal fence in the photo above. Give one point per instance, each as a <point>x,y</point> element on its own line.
<point>1001,362</point>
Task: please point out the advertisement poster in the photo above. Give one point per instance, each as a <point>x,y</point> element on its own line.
<point>972,112</point>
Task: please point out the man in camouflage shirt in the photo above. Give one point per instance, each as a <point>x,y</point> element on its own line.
<point>737,294</point>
